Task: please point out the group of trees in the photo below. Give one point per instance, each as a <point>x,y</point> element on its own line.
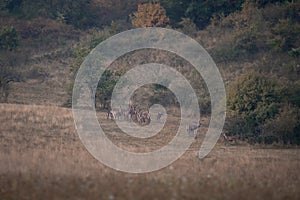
<point>91,13</point>
<point>260,109</point>
<point>200,12</point>
<point>82,14</point>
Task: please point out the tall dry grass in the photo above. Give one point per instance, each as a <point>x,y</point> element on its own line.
<point>42,158</point>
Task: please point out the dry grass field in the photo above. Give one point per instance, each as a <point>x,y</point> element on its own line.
<point>41,157</point>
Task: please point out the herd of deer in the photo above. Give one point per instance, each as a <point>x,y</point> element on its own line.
<point>142,117</point>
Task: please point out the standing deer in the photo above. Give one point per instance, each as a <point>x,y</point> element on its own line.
<point>191,129</point>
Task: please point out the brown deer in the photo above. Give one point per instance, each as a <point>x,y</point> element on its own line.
<point>229,139</point>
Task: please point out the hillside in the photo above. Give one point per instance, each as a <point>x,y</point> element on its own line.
<point>43,49</point>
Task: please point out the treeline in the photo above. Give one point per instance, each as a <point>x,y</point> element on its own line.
<point>81,14</point>
<point>96,13</point>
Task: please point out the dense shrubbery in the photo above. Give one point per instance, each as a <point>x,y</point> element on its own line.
<point>261,110</point>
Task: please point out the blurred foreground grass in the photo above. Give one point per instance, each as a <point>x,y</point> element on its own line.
<point>41,157</point>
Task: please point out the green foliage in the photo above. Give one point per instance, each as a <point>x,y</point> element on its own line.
<point>252,99</point>
<point>266,37</point>
<point>261,110</point>
<point>8,39</point>
<point>78,13</point>
<point>287,35</point>
<point>246,35</point>
<point>105,87</point>
<point>200,12</point>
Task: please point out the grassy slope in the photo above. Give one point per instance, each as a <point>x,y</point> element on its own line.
<point>42,158</point>
<point>42,58</point>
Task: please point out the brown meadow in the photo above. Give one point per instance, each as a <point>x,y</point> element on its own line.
<point>42,158</point>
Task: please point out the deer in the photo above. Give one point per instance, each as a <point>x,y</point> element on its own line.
<point>229,139</point>
<point>191,129</point>
<point>159,115</point>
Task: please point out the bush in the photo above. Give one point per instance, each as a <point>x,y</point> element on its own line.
<point>261,110</point>
<point>252,99</point>
<point>8,39</point>
<point>105,87</point>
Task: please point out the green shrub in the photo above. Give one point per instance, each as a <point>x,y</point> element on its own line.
<point>105,87</point>
<point>252,99</point>
<point>8,39</point>
<point>260,109</point>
